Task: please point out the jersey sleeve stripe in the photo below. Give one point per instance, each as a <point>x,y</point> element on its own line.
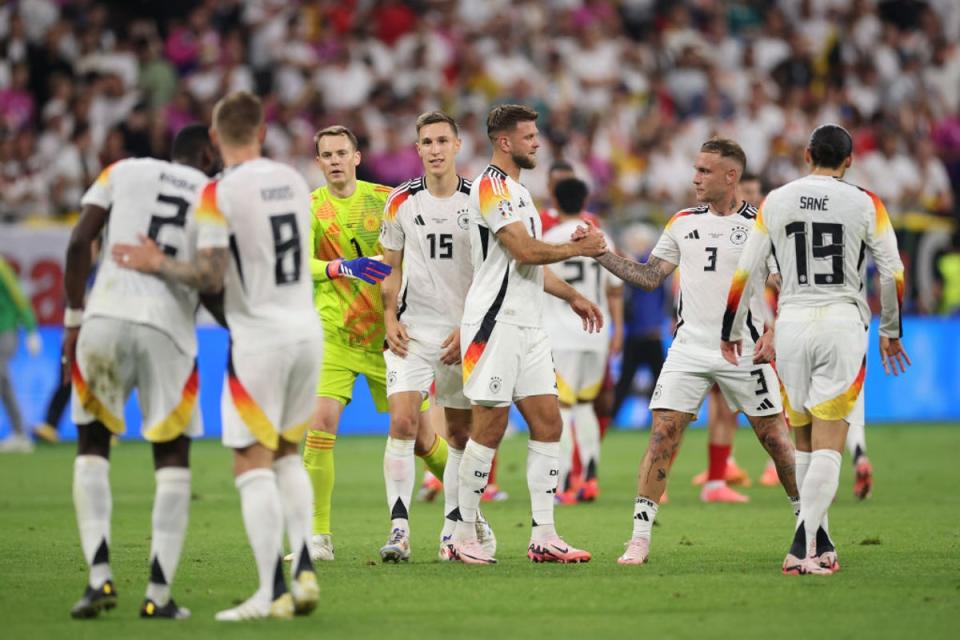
<point>397,198</point>
<point>883,218</point>
<point>207,210</point>
<point>105,174</point>
<point>493,191</point>
<point>759,224</point>
<point>678,215</point>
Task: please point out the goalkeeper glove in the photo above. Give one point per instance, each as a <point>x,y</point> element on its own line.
<point>367,269</point>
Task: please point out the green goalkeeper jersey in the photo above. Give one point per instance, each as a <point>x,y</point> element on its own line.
<point>351,310</point>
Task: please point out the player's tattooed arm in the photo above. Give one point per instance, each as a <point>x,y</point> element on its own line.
<point>205,274</point>
<point>647,275</point>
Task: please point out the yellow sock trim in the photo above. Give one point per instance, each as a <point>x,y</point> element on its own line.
<point>436,458</point>
<point>318,460</point>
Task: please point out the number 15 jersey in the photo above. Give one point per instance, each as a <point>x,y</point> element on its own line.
<point>433,235</point>
<point>261,210</point>
<point>154,198</point>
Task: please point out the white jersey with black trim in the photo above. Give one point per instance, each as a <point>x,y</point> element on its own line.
<point>433,234</point>
<point>706,247</point>
<point>154,198</point>
<point>819,228</point>
<point>591,280</point>
<point>260,210</point>
<point>502,290</point>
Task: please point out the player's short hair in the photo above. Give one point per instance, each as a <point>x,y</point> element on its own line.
<point>571,194</point>
<point>749,177</point>
<point>830,145</point>
<point>190,142</point>
<point>726,148</point>
<point>237,117</point>
<point>335,130</point>
<point>435,117</point>
<point>560,165</point>
<point>505,117</point>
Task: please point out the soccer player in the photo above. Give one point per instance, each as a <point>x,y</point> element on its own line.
<point>818,228</point>
<point>704,242</point>
<point>252,244</point>
<point>136,331</point>
<point>346,270</point>
<point>506,353</point>
<point>14,311</point>
<point>426,243</point>
<point>580,360</point>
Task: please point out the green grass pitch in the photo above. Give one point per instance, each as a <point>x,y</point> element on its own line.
<point>714,569</point>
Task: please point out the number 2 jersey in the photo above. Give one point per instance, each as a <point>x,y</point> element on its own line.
<point>819,228</point>
<point>706,247</point>
<point>503,290</point>
<point>260,210</point>
<point>154,198</point>
<point>433,235</point>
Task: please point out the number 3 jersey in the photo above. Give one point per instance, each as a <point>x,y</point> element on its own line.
<point>433,235</point>
<point>153,198</point>
<point>706,247</point>
<point>260,210</point>
<point>819,228</point>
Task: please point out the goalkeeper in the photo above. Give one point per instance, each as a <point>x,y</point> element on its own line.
<point>345,236</point>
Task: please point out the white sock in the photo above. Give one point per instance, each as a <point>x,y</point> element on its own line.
<point>296,496</point>
<point>542,476</point>
<point>263,520</point>
<point>565,452</point>
<point>93,503</point>
<point>802,464</point>
<point>474,473</point>
<point>818,490</point>
<point>644,513</point>
<point>588,438</point>
<point>856,441</point>
<point>171,508</point>
<point>399,474</point>
<point>451,488</point>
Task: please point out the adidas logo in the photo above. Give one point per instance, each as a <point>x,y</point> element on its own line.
<point>419,221</point>
<point>766,404</point>
<point>642,516</point>
<point>693,235</point>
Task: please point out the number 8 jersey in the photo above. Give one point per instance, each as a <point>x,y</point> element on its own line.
<point>153,198</point>
<point>260,210</point>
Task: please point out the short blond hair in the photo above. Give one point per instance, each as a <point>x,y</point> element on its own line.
<point>335,130</point>
<point>237,118</point>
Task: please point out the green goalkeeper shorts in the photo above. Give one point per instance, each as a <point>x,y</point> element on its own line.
<point>341,366</point>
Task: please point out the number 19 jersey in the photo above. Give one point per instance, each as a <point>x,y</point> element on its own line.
<point>433,235</point>
<point>261,210</point>
<point>154,198</point>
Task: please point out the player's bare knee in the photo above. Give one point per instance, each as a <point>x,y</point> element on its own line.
<point>404,426</point>
<point>175,453</point>
<point>93,439</point>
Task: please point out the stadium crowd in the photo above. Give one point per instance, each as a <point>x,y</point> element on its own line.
<point>627,90</point>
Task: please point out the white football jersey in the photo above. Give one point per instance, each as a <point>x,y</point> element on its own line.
<point>591,280</point>
<point>819,228</point>
<point>706,247</point>
<point>433,235</point>
<point>260,210</point>
<point>154,198</point>
<point>502,289</point>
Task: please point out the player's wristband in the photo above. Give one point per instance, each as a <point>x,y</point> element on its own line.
<point>72,318</point>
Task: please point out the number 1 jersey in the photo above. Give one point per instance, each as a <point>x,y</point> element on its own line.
<point>260,210</point>
<point>153,198</point>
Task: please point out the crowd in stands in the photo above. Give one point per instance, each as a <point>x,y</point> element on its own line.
<point>627,90</point>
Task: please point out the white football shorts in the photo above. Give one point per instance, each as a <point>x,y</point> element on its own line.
<point>689,372</point>
<point>821,359</point>
<point>504,363</point>
<point>420,369</point>
<point>579,374</point>
<point>269,394</point>
<point>115,356</point>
